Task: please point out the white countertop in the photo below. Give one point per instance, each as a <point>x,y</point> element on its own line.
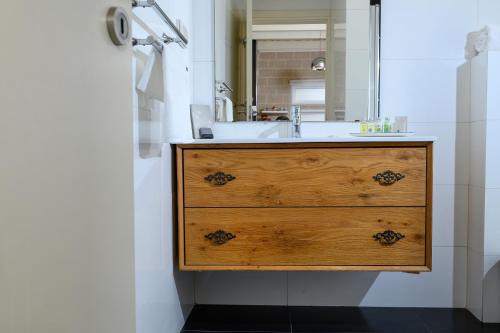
<point>306,140</point>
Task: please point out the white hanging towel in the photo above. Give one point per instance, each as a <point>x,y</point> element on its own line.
<point>151,82</point>
<point>488,39</point>
<point>228,109</point>
<point>470,48</point>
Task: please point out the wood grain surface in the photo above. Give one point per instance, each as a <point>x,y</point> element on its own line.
<point>326,206</point>
<point>304,237</point>
<point>304,177</point>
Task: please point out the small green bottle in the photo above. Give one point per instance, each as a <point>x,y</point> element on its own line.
<point>363,127</point>
<point>387,126</point>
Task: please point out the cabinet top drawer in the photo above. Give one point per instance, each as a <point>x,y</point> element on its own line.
<point>298,177</point>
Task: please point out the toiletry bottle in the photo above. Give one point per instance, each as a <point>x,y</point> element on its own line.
<point>387,125</point>
<point>400,124</point>
<point>372,127</point>
<point>363,127</point>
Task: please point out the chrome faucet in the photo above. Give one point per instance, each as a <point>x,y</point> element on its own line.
<point>296,121</point>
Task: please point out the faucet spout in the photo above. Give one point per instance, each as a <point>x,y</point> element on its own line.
<point>296,121</point>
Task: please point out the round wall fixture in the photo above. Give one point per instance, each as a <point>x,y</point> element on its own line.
<point>118,24</point>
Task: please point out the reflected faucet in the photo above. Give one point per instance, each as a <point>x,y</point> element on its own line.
<point>296,121</point>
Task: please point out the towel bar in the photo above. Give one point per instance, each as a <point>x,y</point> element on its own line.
<point>148,41</point>
<point>181,39</point>
<point>224,87</point>
<point>158,45</point>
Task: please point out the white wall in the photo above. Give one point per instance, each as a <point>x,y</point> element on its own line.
<point>356,65</point>
<point>203,53</point>
<point>479,81</point>
<point>227,31</point>
<point>478,106</point>
<point>66,186</point>
<point>420,54</point>
<point>164,296</point>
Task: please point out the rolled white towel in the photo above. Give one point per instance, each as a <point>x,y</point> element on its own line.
<point>470,49</point>
<point>488,39</point>
<point>220,115</point>
<point>229,109</point>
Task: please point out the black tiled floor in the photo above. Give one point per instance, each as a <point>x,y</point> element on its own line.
<point>451,321</point>
<point>352,319</point>
<point>280,319</point>
<point>230,318</point>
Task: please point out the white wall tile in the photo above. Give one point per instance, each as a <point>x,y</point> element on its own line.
<point>163,295</point>
<point>148,214</point>
<point>166,164</point>
<point>444,287</point>
<point>329,288</point>
<point>488,12</point>
<point>252,130</point>
<point>462,154</point>
<point>357,69</point>
<point>491,289</point>
<point>477,153</point>
<point>177,122</point>
<point>426,29</point>
<point>357,29</point>
<point>475,268</point>
<point>319,129</point>
<point>479,82</point>
<point>423,90</point>
<point>476,219</point>
<point>247,288</point>
<point>492,176</point>
<point>281,130</point>
<point>492,222</point>
<point>203,83</point>
<point>355,104</point>
<point>444,149</point>
<point>463,92</point>
<point>484,221</point>
<point>203,37</point>
<point>493,111</point>
<point>352,4</point>
<point>450,214</point>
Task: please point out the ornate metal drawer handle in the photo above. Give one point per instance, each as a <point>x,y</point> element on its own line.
<point>388,237</point>
<point>220,237</point>
<point>219,178</point>
<point>388,177</point>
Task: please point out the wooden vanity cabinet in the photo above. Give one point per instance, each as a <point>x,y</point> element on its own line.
<point>309,206</point>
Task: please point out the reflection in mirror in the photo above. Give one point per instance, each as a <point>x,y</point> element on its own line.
<point>322,55</point>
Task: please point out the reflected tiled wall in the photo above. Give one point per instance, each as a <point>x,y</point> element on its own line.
<point>275,70</point>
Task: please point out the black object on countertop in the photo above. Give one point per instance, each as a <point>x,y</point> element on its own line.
<point>206,133</point>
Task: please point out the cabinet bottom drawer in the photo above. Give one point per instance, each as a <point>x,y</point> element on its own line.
<point>304,238</point>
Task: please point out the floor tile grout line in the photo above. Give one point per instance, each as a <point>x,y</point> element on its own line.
<point>287,289</point>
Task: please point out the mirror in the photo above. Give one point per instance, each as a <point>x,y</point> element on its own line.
<point>322,55</point>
